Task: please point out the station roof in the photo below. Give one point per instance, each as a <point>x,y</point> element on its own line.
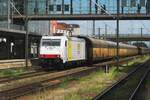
<point>8,32</point>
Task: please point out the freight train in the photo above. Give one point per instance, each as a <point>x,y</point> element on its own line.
<point>59,51</point>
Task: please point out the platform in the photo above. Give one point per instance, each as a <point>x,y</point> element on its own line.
<point>15,63</point>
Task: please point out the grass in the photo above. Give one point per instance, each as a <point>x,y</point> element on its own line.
<point>84,88</point>
<point>66,80</point>
<point>12,72</point>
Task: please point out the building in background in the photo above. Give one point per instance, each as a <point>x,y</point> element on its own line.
<point>148,7</point>
<point>53,28</point>
<point>58,28</point>
<point>48,7</point>
<point>44,7</point>
<point>4,9</point>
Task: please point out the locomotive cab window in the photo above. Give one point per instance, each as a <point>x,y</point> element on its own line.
<point>51,42</point>
<point>65,43</point>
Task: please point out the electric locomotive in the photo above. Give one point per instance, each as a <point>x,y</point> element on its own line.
<point>61,51</point>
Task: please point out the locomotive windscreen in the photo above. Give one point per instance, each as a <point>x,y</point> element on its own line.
<point>51,42</point>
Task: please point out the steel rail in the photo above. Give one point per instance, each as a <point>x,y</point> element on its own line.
<point>139,85</point>
<point>29,88</point>
<point>108,90</point>
<point>21,76</point>
<point>47,77</point>
<point>38,72</point>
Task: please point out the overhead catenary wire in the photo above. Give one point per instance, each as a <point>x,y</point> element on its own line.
<point>15,8</point>
<point>101,7</point>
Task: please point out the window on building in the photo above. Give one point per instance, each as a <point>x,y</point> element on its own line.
<point>41,7</point>
<point>58,7</point>
<point>66,7</point>
<point>31,7</point>
<point>51,7</point>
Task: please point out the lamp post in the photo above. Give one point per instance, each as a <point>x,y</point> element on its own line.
<point>71,7</point>
<point>93,27</point>
<point>27,32</point>
<point>118,12</point>
<point>99,32</point>
<point>105,31</point>
<point>141,35</point>
<point>8,14</point>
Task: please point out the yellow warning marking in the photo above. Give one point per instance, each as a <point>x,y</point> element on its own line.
<point>78,48</point>
<point>69,47</point>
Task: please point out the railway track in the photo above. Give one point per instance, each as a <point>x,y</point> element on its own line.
<point>28,84</point>
<point>141,83</point>
<point>49,81</point>
<point>127,87</point>
<point>21,76</point>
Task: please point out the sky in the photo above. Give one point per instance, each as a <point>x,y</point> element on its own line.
<point>126,27</point>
